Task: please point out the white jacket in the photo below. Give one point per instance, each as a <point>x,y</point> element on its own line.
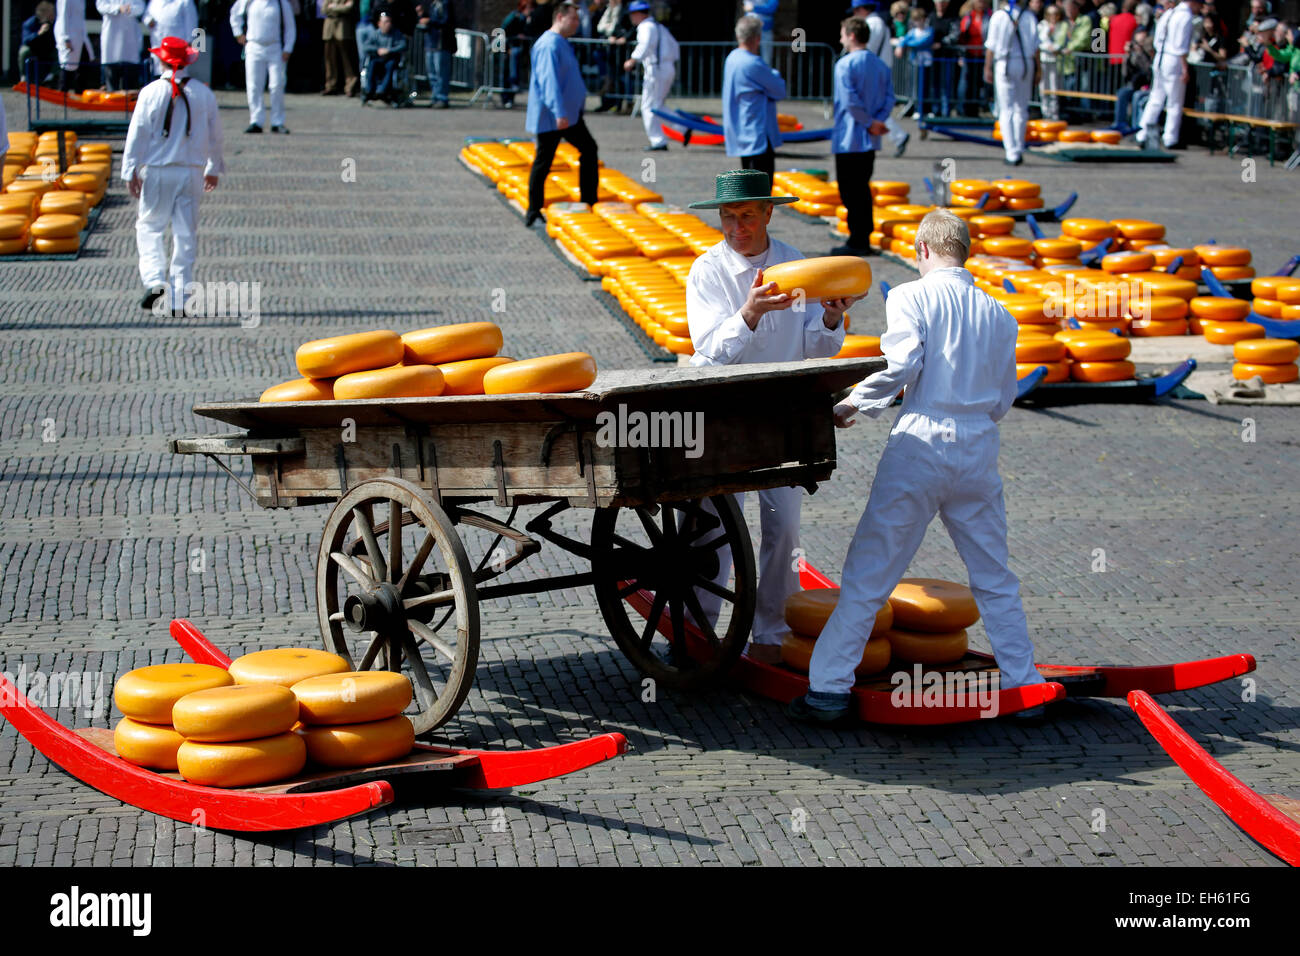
<point>70,32</point>
<point>171,18</point>
<point>146,145</point>
<point>716,291</point>
<point>119,38</point>
<point>264,22</point>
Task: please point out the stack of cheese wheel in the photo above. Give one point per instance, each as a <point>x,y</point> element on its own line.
<point>238,736</point>
<point>1276,297</point>
<point>806,613</point>
<point>1273,360</point>
<point>1035,348</point>
<point>656,301</point>
<point>1207,309</point>
<point>1230,332</point>
<point>568,181</point>
<point>930,620</point>
<point>1154,315</point>
<point>147,696</point>
<point>1089,232</point>
<point>1228,263</point>
<point>1074,136</point>
<point>1038,130</point>
<point>354,719</point>
<point>1165,256</point>
<point>1098,356</point>
<point>788,122</point>
<point>969,192</point>
<point>56,232</point>
<point>652,239</point>
<point>589,239</point>
<point>815,196</point>
<point>1060,251</point>
<point>625,188</point>
<point>894,227</point>
<point>1019,193</point>
<point>690,228</point>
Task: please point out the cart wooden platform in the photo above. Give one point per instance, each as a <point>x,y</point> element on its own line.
<point>655,454</point>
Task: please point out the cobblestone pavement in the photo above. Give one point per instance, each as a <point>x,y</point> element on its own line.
<point>1198,527</point>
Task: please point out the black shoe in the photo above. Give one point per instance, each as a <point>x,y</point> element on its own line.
<point>898,150</point>
<point>1031,715</point>
<point>152,296</point>
<point>661,148</point>
<point>253,128</point>
<point>532,217</point>
<point>799,709</point>
<point>847,250</point>
<point>280,129</point>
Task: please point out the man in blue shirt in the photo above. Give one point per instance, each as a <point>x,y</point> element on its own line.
<point>864,96</point>
<point>556,95</point>
<point>750,91</point>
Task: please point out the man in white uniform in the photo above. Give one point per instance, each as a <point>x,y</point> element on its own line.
<point>170,18</point>
<point>119,42</point>
<point>172,155</point>
<point>656,51</point>
<point>1012,68</point>
<point>71,41</point>
<point>267,33</point>
<point>953,348</point>
<point>734,318</point>
<point>880,43</point>
<point>1169,73</point>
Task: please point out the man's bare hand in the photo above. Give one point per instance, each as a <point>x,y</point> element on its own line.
<point>241,39</point>
<point>844,413</point>
<point>561,122</point>
<point>285,56</point>
<point>761,301</point>
<point>209,183</point>
<point>134,186</point>
<point>629,65</point>
<point>834,309</point>
<point>877,128</point>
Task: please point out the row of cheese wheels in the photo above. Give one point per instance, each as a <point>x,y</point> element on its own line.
<point>1059,131</point>
<point>1084,355</point>
<point>1276,297</point>
<point>261,720</point>
<point>923,622</point>
<point>458,359</point>
<point>507,164</point>
<point>43,209</point>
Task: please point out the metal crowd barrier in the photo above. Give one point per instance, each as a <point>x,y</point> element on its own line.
<point>466,61</point>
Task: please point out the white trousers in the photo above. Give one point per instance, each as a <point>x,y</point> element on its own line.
<point>169,195</point>
<point>654,90</point>
<point>778,559</point>
<point>1166,94</point>
<point>1013,106</point>
<point>1051,80</point>
<point>259,62</point>
<point>920,475</point>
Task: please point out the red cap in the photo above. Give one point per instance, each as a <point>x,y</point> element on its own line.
<point>175,52</point>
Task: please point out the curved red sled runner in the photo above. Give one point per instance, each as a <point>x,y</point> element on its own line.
<point>1271,819</point>
<point>303,801</point>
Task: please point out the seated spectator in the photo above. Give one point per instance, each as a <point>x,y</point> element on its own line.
<point>382,53</point>
<point>1137,78</point>
<point>38,42</point>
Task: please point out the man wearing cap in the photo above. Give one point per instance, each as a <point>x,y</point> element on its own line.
<point>750,92</point>
<point>735,318</point>
<point>952,347</point>
<point>556,94</point>
<point>266,31</point>
<point>880,45</point>
<point>1169,74</point>
<point>172,155</point>
<point>864,97</point>
<point>1012,66</point>
<point>656,51</point>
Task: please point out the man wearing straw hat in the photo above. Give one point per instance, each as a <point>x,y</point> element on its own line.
<point>735,317</point>
<point>172,155</point>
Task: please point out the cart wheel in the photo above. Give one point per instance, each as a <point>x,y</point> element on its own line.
<point>395,584</point>
<point>670,551</point>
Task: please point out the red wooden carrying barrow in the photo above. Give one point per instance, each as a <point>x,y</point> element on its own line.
<point>965,689</point>
<point>305,800</point>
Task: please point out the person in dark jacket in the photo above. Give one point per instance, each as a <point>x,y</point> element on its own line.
<point>384,48</point>
<point>38,42</point>
<point>522,27</point>
<point>940,88</point>
<point>438,19</point>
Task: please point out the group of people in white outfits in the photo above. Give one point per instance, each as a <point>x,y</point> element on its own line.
<point>121,34</point>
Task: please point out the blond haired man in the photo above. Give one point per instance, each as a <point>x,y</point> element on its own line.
<point>953,348</point>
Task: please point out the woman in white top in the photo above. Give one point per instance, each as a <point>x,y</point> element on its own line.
<point>119,43</point>
<point>1053,32</point>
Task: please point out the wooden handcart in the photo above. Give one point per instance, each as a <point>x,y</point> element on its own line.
<point>654,454</point>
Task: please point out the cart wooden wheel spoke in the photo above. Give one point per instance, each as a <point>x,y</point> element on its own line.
<point>684,643</point>
<point>375,609</point>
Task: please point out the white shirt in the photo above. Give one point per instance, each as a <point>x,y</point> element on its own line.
<point>146,145</point>
<point>646,51</point>
<point>881,40</point>
<point>263,22</point>
<point>717,289</point>
<point>119,39</point>
<point>171,18</point>
<point>70,28</point>
<point>1174,39</point>
<point>950,345</point>
<point>1001,40</point>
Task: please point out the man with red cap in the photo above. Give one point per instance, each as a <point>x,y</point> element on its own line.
<point>172,154</point>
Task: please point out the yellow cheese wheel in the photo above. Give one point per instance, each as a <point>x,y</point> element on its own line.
<point>358,745</point>
<point>1233,273</point>
<point>1152,328</point>
<point>65,201</point>
<point>452,343</point>
<point>37,186</point>
<point>1128,262</point>
<point>1103,371</point>
<point>466,376</point>
<point>56,246</point>
<point>1091,229</point>
<point>1064,248</point>
<point>826,277</point>
<point>1066,335</point>
<point>352,697</point>
<point>244,763</point>
<point>1056,371</point>
<point>148,694</point>
<point>1229,333</point>
<point>1017,188</point>
<point>1268,308</point>
<point>1288,293</point>
<point>1291,312</point>
<point>1039,350</point>
<point>992,225</point>
<point>927,647</point>
<point>13,227</point>
<point>1032,202</point>
<point>1047,125</point>
<point>859,346</point>
<point>1139,229</point>
<point>1215,255</point>
<point>147,745</point>
<point>285,665</point>
<point>930,604</point>
<point>1219,308</point>
<point>1012,246</point>
<point>300,390</point>
<point>238,712</point>
<point>1265,287</point>
<point>806,612</point>
<point>1074,136</point>
<point>886,187</point>
<point>56,226</point>
<point>399,381</point>
<point>679,345</point>
<point>12,247</point>
<point>18,204</point>
<point>1266,351</point>
<point>82,182</point>
<point>972,188</point>
<point>1110,137</point>
<point>1271,374</point>
<point>797,649</point>
<point>1158,307</point>
<point>332,357</point>
<point>1161,283</point>
<point>567,372</point>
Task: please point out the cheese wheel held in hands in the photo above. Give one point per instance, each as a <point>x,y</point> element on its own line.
<point>826,277</point>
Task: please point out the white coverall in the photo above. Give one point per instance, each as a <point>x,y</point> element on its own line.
<point>1173,42</point>
<point>119,38</point>
<point>658,79</point>
<point>70,33</point>
<point>881,44</point>
<point>716,290</point>
<point>170,18</point>
<point>171,170</point>
<point>269,27</point>
<point>953,348</point>
<point>1013,42</point>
